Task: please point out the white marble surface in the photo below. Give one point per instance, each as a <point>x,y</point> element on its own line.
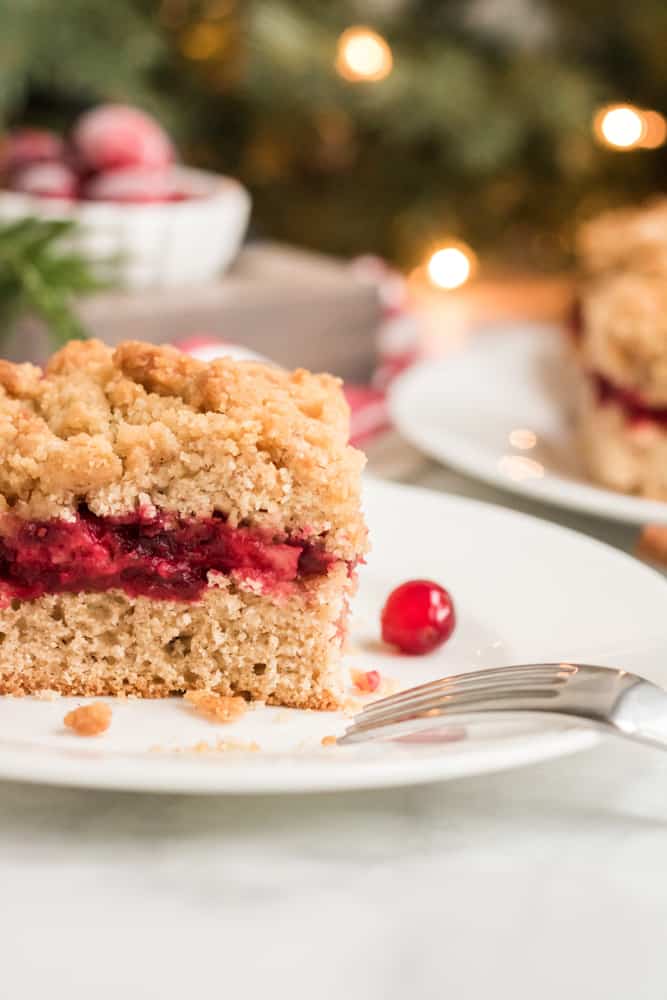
<point>548,882</point>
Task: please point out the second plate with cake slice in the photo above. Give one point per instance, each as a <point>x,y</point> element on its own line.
<point>504,410</point>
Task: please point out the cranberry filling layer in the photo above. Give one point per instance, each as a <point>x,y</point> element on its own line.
<point>160,557</point>
<point>636,410</point>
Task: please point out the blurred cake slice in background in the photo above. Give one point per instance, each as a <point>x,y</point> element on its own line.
<point>621,338</point>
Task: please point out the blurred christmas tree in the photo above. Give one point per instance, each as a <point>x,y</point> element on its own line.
<point>469,118</point>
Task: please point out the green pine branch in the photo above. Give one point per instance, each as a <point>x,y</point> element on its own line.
<point>39,277</point>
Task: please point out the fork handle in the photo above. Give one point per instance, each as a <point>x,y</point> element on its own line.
<point>637,711</point>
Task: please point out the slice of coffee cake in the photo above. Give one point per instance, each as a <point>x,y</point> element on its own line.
<point>621,337</point>
<point>168,525</point>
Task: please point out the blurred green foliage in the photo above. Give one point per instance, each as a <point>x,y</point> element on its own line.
<point>41,277</point>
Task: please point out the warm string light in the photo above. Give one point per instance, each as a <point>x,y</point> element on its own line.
<point>450,266</point>
<point>363,55</point>
<point>620,127</point>
<point>655,130</point>
<point>625,127</point>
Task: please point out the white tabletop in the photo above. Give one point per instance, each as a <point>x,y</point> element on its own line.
<point>544,883</point>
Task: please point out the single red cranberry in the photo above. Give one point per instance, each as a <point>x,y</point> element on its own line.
<point>113,136</point>
<point>132,185</point>
<point>30,145</point>
<point>418,617</point>
<point>46,180</point>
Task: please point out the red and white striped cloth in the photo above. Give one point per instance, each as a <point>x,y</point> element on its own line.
<point>398,346</point>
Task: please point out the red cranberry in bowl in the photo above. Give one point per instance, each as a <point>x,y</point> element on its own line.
<point>418,617</point>
<point>134,185</point>
<point>47,180</point>
<point>27,146</point>
<point>112,136</point>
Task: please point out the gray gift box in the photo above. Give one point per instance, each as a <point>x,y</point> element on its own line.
<point>301,309</point>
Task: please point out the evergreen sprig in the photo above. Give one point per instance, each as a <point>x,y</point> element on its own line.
<point>39,276</point>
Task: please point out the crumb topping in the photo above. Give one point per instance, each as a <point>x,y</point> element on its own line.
<point>625,333</point>
<point>148,425</point>
<point>633,239</point>
<point>89,720</point>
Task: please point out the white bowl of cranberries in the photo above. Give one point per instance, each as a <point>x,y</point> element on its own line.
<point>141,217</point>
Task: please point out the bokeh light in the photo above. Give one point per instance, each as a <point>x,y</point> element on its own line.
<point>363,54</point>
<point>519,468</point>
<point>655,130</point>
<point>621,126</point>
<point>450,266</point>
<point>203,41</point>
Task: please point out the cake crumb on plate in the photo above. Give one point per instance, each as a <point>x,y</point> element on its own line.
<point>204,747</point>
<point>366,681</point>
<point>89,720</point>
<point>217,707</point>
<point>653,544</point>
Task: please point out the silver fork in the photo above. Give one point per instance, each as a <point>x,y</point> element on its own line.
<point>612,700</point>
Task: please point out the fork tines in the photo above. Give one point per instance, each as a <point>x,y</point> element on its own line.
<point>504,679</point>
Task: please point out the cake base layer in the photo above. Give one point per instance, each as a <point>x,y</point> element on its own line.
<point>628,455</point>
<point>232,641</point>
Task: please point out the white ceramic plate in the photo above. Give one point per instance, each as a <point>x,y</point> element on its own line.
<point>466,410</point>
<point>525,590</point>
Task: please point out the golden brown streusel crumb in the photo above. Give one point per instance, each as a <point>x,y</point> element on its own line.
<point>217,707</point>
<point>19,380</point>
<point>652,544</point>
<point>89,720</point>
<point>366,681</point>
<point>631,239</point>
<point>147,424</point>
<point>329,741</point>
